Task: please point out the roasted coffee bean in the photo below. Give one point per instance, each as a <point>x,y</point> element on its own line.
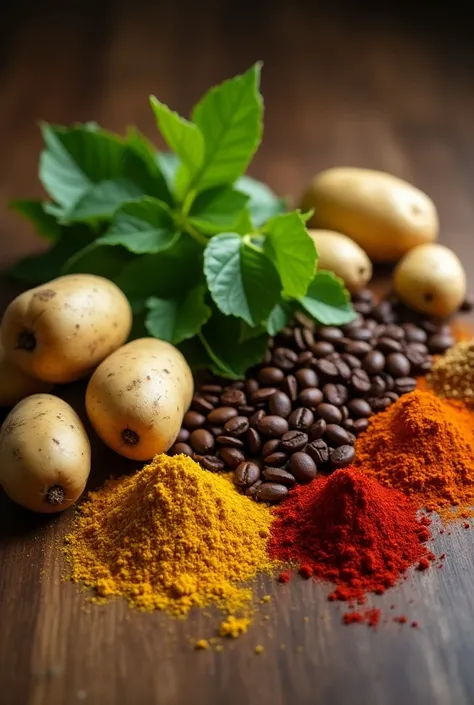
<point>468,303</point>
<point>270,447</point>
<point>322,348</point>
<point>202,441</point>
<point>373,362</point>
<point>379,403</point>
<point>200,404</point>
<point>211,398</point>
<point>271,376</point>
<point>343,368</point>
<point>273,426</point>
<point>237,426</point>
<point>193,419</point>
<point>360,333</point>
<point>255,419</point>
<point>413,334</point>
<point>278,475</point>
<point>344,412</point>
<point>233,397</point>
<point>331,334</point>
<point>262,395</point>
<point>416,359</point>
<point>221,415</point>
<point>359,348</point>
<point>211,389</point>
<point>298,338</point>
<point>280,404</point>
<point>271,492</point>
<point>301,419</point>
<point>277,459</point>
<point>336,436</point>
<point>232,457</point>
<point>216,430</point>
<point>364,295</point>
<point>329,412</point>
<point>302,467</point>
<point>342,456</point>
<point>293,441</point>
<point>284,358</point>
<point>326,369</point>
<point>416,347</point>
<point>398,365</point>
<point>290,387</point>
<point>246,410</point>
<point>310,397</point>
<point>210,462</point>
<point>395,332</point>
<point>353,361</point>
<point>334,356</point>
<point>253,440</point>
<point>308,337</point>
<point>439,343</point>
<point>305,359</point>
<point>252,490</point>
<point>377,386</point>
<point>389,381</point>
<point>363,307</point>
<point>403,385</point>
<point>317,430</point>
<point>335,394</point>
<point>360,425</point>
<point>318,451</point>
<point>387,345</point>
<point>251,386</point>
<point>246,474</point>
<point>236,385</point>
<point>432,327</point>
<point>181,448</point>
<point>393,396</point>
<point>359,408</point>
<point>383,312</point>
<point>183,435</point>
<point>229,441</point>
<point>360,381</point>
<point>306,378</point>
<point>352,438</point>
<point>347,425</point>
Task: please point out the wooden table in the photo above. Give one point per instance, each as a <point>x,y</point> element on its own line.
<point>341,87</point>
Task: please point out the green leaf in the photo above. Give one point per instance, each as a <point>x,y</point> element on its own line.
<point>142,227</point>
<point>182,136</point>
<point>35,211</point>
<point>263,203</point>
<point>196,354</point>
<point>176,320</point>
<point>327,300</point>
<point>168,163</point>
<point>98,259</point>
<point>279,317</point>
<point>217,210</point>
<point>244,225</point>
<point>230,119</point>
<point>141,148</point>
<point>292,251</point>
<point>242,281</point>
<point>248,332</point>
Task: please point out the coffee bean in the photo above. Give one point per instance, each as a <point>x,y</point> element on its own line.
<point>343,369</point>
<point>393,396</point>
<point>335,394</point>
<point>398,365</point>
<point>216,430</point>
<point>387,345</point>
<point>276,459</point>
<point>280,404</point>
<point>301,419</point>
<point>317,430</point>
<point>353,361</point>
<point>255,419</point>
<point>232,457</point>
<point>359,408</point>
<point>362,307</point>
<point>278,475</point>
<point>290,387</point>
<point>329,412</point>
<point>395,332</point>
<point>193,419</point>
<point>439,343</point>
<point>322,348</point>
<point>253,441</point>
<point>334,356</point>
<point>416,347</point>
<point>342,456</point>
<point>183,435</point>
<point>181,448</point>
<point>270,447</point>
<point>358,348</point>
<point>389,381</point>
<point>336,436</point>
<point>262,395</point>
<point>326,369</point>
<point>251,386</point>
<point>246,410</point>
<point>403,385</point>
<point>379,403</point>
<point>306,378</point>
<point>383,312</point>
<point>318,451</point>
<point>364,295</point>
<point>236,385</point>
<point>229,441</point>
<point>305,359</point>
<point>202,441</point>
<point>293,441</point>
<point>284,358</point>
<point>200,404</point>
<point>330,334</point>
<point>310,397</point>
<point>272,492</point>
<point>302,467</point>
<point>252,490</point>
<point>221,415</point>
<point>360,425</point>
<point>432,327</point>
<point>373,362</point>
<point>233,397</point>
<point>246,474</point>
<point>298,338</point>
<point>468,303</point>
<point>344,412</point>
<point>361,333</point>
<point>413,334</point>
<point>211,398</point>
<point>377,386</point>
<point>308,337</point>
<point>237,426</point>
<point>347,425</point>
<point>210,462</point>
<point>271,376</point>
<point>211,389</point>
<point>273,426</point>
<point>360,381</point>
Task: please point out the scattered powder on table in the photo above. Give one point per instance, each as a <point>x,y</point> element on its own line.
<point>423,446</point>
<point>171,536</point>
<point>452,375</point>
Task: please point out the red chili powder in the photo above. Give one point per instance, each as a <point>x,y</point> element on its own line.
<point>370,617</point>
<point>351,530</point>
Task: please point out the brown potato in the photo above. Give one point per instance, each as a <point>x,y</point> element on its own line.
<point>341,255</point>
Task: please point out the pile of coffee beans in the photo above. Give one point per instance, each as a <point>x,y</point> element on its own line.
<point>300,411</point>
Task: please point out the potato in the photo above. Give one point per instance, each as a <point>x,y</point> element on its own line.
<point>137,397</point>
<point>45,454</point>
<point>385,215</point>
<point>60,331</point>
<point>15,384</point>
<point>341,255</point>
<point>431,279</point>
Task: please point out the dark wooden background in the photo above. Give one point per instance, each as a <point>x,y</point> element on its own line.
<point>344,84</point>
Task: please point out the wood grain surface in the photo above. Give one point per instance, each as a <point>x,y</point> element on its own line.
<point>344,84</point>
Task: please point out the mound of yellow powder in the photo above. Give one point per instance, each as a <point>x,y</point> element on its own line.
<point>169,537</point>
<point>452,375</point>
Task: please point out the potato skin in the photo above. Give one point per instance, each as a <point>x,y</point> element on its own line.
<point>137,397</point>
<point>385,215</point>
<point>341,255</point>
<point>60,331</point>
<point>44,445</point>
<point>15,384</point>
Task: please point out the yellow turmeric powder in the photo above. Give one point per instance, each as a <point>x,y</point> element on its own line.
<point>170,537</point>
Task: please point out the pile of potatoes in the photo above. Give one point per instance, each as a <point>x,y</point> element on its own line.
<point>362,216</point>
<point>135,400</point>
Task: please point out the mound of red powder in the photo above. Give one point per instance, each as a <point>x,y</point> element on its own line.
<point>350,530</point>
